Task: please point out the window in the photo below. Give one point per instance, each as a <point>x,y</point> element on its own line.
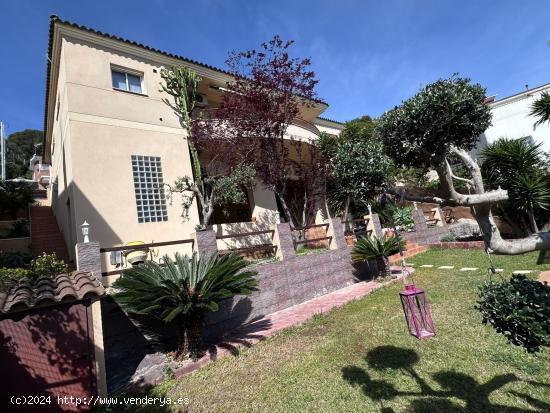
<point>149,189</point>
<point>130,82</point>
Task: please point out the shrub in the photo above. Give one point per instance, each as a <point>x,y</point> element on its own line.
<point>449,238</point>
<point>20,228</point>
<point>184,291</point>
<point>47,265</point>
<point>15,259</point>
<point>378,249</point>
<point>8,276</point>
<point>14,196</point>
<point>19,265</point>
<point>519,309</point>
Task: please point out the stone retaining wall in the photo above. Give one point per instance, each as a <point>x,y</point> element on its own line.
<point>287,283</point>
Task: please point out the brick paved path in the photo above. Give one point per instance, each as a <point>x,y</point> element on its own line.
<point>295,315</point>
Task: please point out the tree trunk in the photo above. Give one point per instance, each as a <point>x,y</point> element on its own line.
<point>286,210</point>
<point>383,266</point>
<point>494,241</point>
<point>480,203</point>
<point>191,343</point>
<point>346,209</point>
<point>532,222</point>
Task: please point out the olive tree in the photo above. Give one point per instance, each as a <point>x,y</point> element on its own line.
<point>357,164</point>
<point>444,120</point>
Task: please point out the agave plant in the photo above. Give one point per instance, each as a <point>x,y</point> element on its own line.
<point>183,291</point>
<point>378,249</point>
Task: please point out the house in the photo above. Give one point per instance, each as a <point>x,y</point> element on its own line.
<point>511,120</point>
<point>112,142</point>
<point>40,171</point>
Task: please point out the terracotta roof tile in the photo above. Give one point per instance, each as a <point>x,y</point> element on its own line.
<point>29,293</point>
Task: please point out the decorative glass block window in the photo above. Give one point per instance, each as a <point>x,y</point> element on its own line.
<point>149,189</point>
<point>130,82</point>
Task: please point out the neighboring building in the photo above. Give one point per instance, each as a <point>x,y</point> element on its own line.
<point>511,120</point>
<point>40,172</point>
<point>110,140</point>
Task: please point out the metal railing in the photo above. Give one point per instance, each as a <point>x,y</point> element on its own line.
<point>252,248</point>
<point>359,226</point>
<point>126,248</point>
<point>302,233</point>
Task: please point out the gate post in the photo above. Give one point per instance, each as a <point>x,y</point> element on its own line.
<point>282,238</point>
<point>205,242</point>
<point>374,225</point>
<point>88,259</point>
<point>336,231</point>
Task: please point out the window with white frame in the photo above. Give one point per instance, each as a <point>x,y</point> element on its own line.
<point>126,80</point>
<point>149,189</point>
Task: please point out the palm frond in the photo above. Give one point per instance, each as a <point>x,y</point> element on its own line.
<point>374,247</point>
<point>541,109</point>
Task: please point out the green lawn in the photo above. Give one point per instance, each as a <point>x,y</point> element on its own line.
<point>360,357</point>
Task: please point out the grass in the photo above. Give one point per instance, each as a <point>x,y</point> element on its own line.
<point>307,249</point>
<point>359,358</point>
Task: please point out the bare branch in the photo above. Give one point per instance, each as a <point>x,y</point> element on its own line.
<point>472,166</point>
<point>490,197</point>
<point>417,198</point>
<point>455,177</point>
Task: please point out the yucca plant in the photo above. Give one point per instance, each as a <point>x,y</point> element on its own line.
<point>183,291</point>
<point>541,109</point>
<point>517,166</point>
<point>378,249</point>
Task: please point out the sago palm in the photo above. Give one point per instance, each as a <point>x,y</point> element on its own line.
<point>378,249</point>
<point>183,291</point>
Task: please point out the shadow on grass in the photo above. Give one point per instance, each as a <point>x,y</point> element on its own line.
<point>453,384</point>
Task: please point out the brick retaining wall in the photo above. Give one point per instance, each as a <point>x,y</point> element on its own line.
<point>459,245</point>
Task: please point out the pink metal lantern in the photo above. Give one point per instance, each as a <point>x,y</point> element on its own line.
<point>417,312</point>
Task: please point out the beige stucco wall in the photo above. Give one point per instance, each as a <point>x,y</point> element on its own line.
<point>264,214</point>
<point>61,170</point>
<point>334,130</point>
<point>99,128</point>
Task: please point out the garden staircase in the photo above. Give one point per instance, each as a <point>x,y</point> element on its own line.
<point>45,234</point>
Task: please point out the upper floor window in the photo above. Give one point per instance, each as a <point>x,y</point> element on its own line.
<point>128,81</point>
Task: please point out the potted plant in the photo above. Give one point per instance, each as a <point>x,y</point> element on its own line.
<point>349,237</point>
<point>378,249</point>
<point>183,291</point>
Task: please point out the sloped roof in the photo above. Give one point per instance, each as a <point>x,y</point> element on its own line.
<point>54,19</point>
<point>27,293</point>
<point>331,120</point>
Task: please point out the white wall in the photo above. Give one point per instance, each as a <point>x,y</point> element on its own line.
<point>511,120</point>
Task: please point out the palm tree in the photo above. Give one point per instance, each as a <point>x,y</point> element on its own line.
<point>376,248</point>
<point>541,109</point>
<point>183,291</point>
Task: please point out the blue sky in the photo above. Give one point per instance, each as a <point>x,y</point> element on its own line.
<point>368,55</point>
